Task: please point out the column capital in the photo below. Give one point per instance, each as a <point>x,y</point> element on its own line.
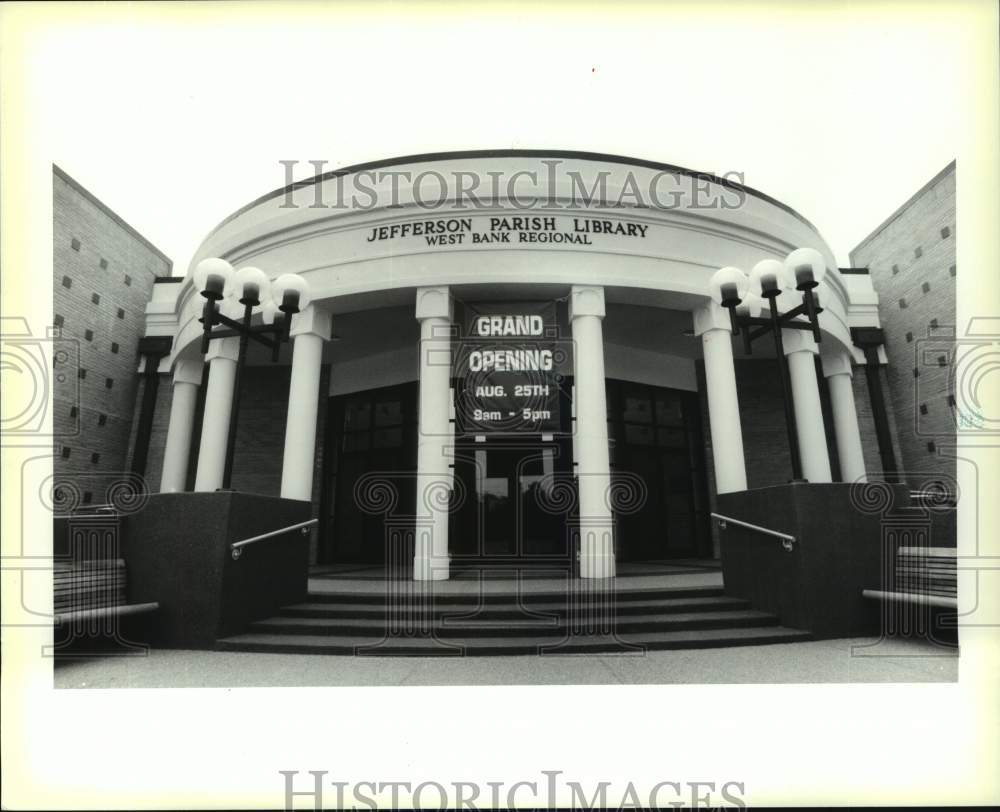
<point>711,316</point>
<point>188,372</point>
<point>836,361</point>
<point>228,348</point>
<point>586,300</point>
<point>312,321</point>
<point>798,341</point>
<point>435,302</point>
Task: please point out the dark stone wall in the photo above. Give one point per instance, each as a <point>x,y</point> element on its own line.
<point>843,545</point>
<point>177,553</point>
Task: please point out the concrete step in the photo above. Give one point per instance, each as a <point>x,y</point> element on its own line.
<point>419,594</point>
<point>511,645</point>
<point>503,611</point>
<point>453,627</point>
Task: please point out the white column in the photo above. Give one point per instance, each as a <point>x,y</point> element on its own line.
<point>434,437</point>
<point>187,379</point>
<point>221,358</point>
<point>712,323</point>
<point>597,550</point>
<point>310,330</point>
<point>837,369</point>
<point>801,351</point>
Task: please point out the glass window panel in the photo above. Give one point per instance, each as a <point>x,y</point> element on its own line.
<point>639,435</point>
<point>637,410</point>
<point>495,492</point>
<point>530,465</point>
<point>668,410</point>
<point>672,438</point>
<point>357,415</point>
<point>529,481</point>
<point>388,413</point>
<point>356,441</point>
<point>388,438</point>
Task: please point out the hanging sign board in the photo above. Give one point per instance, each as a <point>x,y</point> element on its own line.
<point>509,365</point>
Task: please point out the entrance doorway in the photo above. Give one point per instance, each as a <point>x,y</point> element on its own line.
<point>517,501</point>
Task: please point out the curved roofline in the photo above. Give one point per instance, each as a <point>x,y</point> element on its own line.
<point>426,157</point>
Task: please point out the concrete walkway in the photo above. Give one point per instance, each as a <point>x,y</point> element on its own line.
<point>522,578</point>
<point>827,661</point>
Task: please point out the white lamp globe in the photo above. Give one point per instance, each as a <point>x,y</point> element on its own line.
<point>751,306</point>
<point>251,284</point>
<point>805,267</point>
<point>728,286</point>
<point>768,278</point>
<point>290,293</point>
<point>212,277</point>
<point>268,311</point>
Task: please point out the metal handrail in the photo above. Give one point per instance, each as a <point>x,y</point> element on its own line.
<point>934,495</point>
<point>237,546</point>
<point>87,510</point>
<point>786,540</point>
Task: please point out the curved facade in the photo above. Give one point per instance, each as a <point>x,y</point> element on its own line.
<point>649,407</point>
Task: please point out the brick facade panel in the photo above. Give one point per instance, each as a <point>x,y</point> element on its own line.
<point>106,250</point>
<point>911,340</point>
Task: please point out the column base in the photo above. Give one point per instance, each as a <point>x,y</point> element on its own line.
<point>431,568</point>
<point>600,565</point>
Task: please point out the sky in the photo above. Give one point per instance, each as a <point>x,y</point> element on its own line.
<point>177,116</point>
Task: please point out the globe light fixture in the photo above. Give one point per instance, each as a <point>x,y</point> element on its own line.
<point>269,311</point>
<point>212,278</point>
<point>250,286</point>
<point>226,294</point>
<point>805,267</point>
<point>728,285</point>
<point>290,293</point>
<point>768,278</point>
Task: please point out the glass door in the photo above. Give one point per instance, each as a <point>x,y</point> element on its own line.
<point>515,505</point>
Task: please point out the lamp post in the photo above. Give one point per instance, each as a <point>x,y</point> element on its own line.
<point>743,297</point>
<point>279,300</point>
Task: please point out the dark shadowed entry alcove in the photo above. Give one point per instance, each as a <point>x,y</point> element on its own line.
<point>516,497</point>
<point>656,436</point>
<point>372,435</point>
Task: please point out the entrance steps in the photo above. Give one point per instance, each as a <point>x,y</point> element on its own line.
<point>574,621</point>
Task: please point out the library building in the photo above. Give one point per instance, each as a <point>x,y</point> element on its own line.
<point>510,379</point>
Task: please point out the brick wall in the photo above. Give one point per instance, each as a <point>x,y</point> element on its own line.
<point>911,259</point>
<point>103,273</point>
